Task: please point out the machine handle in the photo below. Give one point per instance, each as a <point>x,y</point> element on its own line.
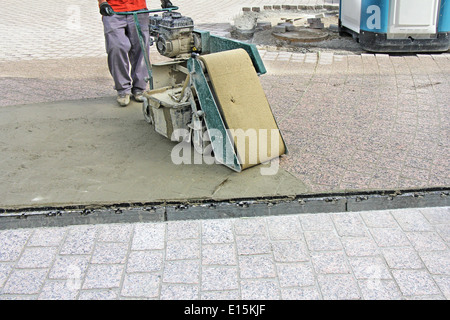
<point>145,11</point>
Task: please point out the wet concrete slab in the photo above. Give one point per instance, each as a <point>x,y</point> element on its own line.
<point>91,151</point>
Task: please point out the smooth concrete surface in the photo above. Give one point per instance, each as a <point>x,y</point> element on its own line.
<point>94,152</point>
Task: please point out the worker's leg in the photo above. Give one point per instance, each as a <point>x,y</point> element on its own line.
<point>139,69</point>
<point>117,46</point>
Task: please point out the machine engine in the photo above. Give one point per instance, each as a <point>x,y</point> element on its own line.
<point>173,34</point>
<point>191,99</point>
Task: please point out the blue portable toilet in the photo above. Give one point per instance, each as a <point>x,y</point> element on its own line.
<point>397,25</point>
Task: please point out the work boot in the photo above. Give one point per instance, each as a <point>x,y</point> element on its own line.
<point>139,96</point>
<point>123,99</point>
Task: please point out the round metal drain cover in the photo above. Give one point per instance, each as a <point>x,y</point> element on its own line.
<point>304,35</point>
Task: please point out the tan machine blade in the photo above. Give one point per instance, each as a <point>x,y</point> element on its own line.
<point>244,107</point>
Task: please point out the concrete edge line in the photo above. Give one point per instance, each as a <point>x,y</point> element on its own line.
<point>238,208</point>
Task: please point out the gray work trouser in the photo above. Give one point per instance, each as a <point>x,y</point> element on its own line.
<point>124,50</point>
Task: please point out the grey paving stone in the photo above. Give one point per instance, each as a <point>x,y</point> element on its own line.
<point>47,237</point>
<point>306,293</point>
<point>12,242</point>
<point>25,281</point>
<point>379,219</point>
<point>437,215</point>
<point>183,249</point>
<point>145,261</point>
<point>425,297</point>
<point>412,220</point>
<point>443,283</point>
<point>5,270</point>
<point>219,278</point>
<point>58,290</point>
<point>182,272</point>
<point>260,290</point>
<point>79,240</point>
<point>369,268</point>
<point>178,230</point>
<point>220,295</point>
<point>359,246</point>
<point>349,225</point>
<point>110,253</point>
<point>149,236</point>
<point>250,227</point>
<point>247,245</point>
<point>437,262</point>
<point>338,287</point>
<point>426,241</point>
<point>69,267</point>
<point>18,297</point>
<point>415,282</point>
<point>105,294</point>
<point>379,290</point>
<point>322,241</point>
<point>444,231</point>
<point>37,257</point>
<point>330,262</point>
<point>141,285</point>
<point>219,254</point>
<point>316,222</point>
<point>290,251</point>
<point>115,232</point>
<point>284,228</point>
<point>402,258</point>
<point>103,276</point>
<point>389,237</point>
<point>217,231</point>
<point>179,292</point>
<point>295,275</point>
<point>253,267</point>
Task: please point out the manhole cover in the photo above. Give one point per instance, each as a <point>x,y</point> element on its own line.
<point>306,35</point>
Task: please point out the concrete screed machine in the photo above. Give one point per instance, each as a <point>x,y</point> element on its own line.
<point>209,95</point>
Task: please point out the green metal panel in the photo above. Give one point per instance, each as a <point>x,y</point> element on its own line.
<point>222,145</point>
<point>212,44</point>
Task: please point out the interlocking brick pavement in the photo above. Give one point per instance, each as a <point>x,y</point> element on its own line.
<point>389,255</point>
<point>50,30</point>
<point>64,29</point>
<point>362,121</point>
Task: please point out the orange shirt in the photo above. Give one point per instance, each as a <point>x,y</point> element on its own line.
<point>127,5</point>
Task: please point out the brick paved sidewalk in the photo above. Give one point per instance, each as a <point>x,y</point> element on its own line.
<point>397,254</point>
<point>362,121</point>
<point>58,30</point>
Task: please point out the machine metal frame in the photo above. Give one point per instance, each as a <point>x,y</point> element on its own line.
<point>208,112</point>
